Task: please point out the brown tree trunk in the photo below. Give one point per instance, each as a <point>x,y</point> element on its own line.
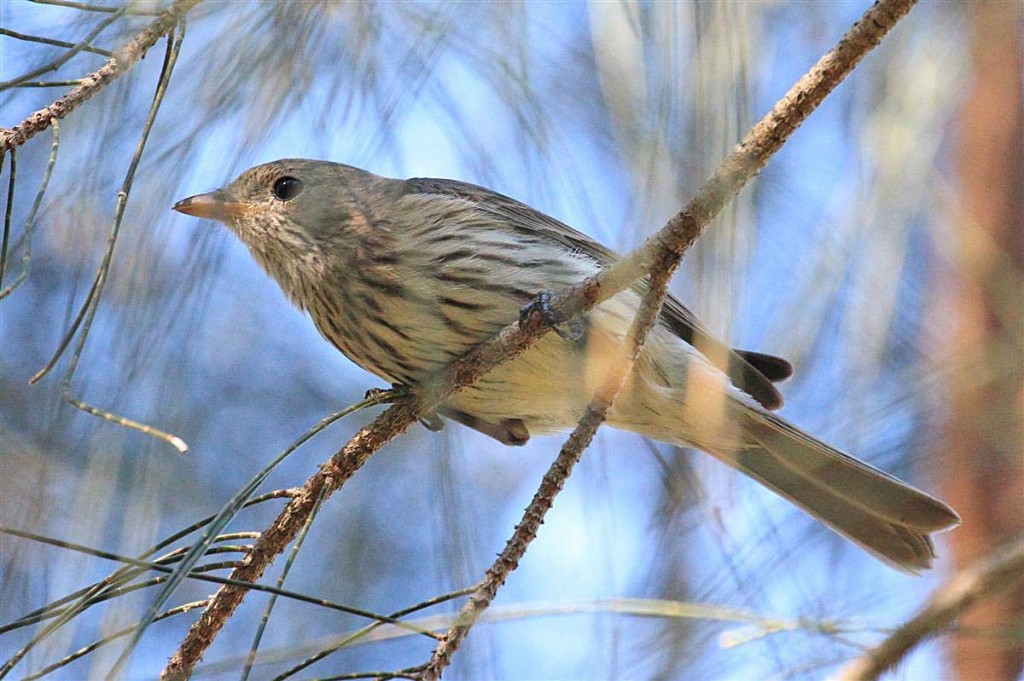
<point>985,430</point>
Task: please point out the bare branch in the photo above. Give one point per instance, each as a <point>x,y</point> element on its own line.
<point>998,572</point>
<point>123,59</point>
<point>86,7</point>
<point>658,257</point>
<point>51,41</point>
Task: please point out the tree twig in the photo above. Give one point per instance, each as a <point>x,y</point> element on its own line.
<point>123,59</point>
<point>660,253</point>
<point>86,7</point>
<point>52,41</point>
<point>998,572</point>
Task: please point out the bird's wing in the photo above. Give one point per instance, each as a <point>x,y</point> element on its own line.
<point>751,372</point>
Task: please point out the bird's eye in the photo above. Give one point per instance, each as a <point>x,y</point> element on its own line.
<point>287,188</point>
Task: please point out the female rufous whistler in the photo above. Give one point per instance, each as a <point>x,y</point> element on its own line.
<point>404,276</point>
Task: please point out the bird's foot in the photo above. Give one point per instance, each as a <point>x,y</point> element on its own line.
<point>431,422</point>
<point>571,331</point>
<point>386,395</point>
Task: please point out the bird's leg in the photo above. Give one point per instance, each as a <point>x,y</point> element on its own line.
<point>571,331</point>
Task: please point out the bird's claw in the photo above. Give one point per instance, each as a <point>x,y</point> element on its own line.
<point>540,304</point>
<point>386,395</point>
<point>432,422</point>
<point>571,331</point>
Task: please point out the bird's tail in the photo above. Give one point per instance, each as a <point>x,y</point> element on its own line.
<point>885,516</point>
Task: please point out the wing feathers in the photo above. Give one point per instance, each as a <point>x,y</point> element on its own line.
<point>751,372</point>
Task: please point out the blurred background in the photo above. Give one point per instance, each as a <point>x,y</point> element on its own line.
<point>881,251</point>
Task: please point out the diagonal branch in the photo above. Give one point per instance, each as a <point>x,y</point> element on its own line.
<point>123,59</point>
<point>998,572</point>
<point>659,254</point>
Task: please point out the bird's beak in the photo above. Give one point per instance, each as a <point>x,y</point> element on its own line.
<point>215,205</point>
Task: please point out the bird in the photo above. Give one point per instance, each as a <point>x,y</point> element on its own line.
<point>405,276</point>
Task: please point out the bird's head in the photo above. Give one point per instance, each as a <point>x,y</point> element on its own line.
<point>298,213</point>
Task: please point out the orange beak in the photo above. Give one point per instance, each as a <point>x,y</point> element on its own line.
<point>215,205</point>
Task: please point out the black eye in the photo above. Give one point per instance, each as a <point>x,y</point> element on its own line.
<point>287,188</point>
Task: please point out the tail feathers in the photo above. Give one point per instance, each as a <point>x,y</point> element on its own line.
<point>906,549</point>
<point>872,490</point>
<point>773,368</point>
<point>888,518</point>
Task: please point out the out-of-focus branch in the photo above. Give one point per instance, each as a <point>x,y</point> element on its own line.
<point>123,59</point>
<point>986,578</point>
<point>658,256</point>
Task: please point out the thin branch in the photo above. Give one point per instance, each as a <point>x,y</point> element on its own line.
<point>52,41</point>
<point>86,7</point>
<point>88,311</point>
<point>198,575</point>
<point>239,500</point>
<point>109,638</point>
<point>376,676</point>
<point>998,572</point>
<point>123,575</point>
<point>750,626</point>
<point>126,583</point>
<point>657,254</point>
<point>8,212</point>
<point>49,83</point>
<point>258,637</point>
<point>275,538</point>
<point>124,59</point>
<point>67,56</point>
<point>364,633</point>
